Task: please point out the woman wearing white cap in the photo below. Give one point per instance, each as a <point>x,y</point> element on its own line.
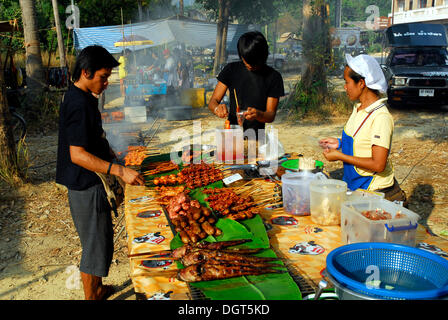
<point>367,136</point>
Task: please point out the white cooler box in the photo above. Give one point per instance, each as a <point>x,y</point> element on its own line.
<point>135,114</point>
<point>355,227</point>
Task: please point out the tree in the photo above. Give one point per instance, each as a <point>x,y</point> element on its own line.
<point>316,45</point>
<point>35,75</point>
<point>57,23</point>
<point>310,92</point>
<point>246,12</point>
<point>221,35</point>
<point>9,170</point>
<point>181,7</point>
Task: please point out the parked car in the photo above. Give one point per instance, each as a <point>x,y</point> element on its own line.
<point>276,61</point>
<point>416,67</point>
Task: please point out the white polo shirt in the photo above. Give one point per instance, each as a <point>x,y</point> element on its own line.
<point>377,130</point>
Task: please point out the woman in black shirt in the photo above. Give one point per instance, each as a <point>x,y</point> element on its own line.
<point>257,86</point>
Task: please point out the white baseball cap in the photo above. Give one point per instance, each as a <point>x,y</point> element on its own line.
<point>367,67</point>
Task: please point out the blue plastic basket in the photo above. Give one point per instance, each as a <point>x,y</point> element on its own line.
<point>402,272</point>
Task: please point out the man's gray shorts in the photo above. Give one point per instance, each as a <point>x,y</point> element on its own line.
<point>91,215</point>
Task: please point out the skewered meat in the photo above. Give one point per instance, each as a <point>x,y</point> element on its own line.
<point>204,255</point>
<point>220,244</point>
<point>161,167</point>
<point>247,214</point>
<point>187,215</point>
<point>135,155</point>
<point>181,251</point>
<point>193,175</point>
<point>206,272</point>
<point>229,204</point>
<point>169,191</point>
<point>171,179</point>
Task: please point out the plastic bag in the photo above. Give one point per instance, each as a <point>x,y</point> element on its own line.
<point>273,149</point>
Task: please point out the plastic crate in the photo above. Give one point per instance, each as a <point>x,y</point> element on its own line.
<point>357,228</point>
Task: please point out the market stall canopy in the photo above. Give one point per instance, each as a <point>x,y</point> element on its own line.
<point>416,34</point>
<point>182,30</point>
<point>9,26</point>
<point>133,40</point>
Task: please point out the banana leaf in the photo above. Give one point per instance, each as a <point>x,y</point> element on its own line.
<point>260,287</point>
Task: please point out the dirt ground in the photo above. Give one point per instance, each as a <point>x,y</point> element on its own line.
<point>40,249</point>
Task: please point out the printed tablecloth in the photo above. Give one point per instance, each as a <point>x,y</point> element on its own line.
<point>302,243</point>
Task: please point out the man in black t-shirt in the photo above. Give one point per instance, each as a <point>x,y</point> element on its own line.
<point>82,151</point>
<point>257,86</point>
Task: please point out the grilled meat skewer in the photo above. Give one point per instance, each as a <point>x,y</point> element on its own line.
<point>204,255</point>
<point>206,272</point>
<point>181,251</point>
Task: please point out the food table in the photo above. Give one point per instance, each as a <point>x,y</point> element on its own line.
<point>301,244</point>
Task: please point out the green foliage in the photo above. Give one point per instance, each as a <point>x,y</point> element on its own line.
<point>47,118</point>
<point>92,13</point>
<point>8,174</point>
<point>355,10</point>
<point>250,12</point>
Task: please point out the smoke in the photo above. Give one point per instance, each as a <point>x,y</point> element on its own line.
<point>120,135</point>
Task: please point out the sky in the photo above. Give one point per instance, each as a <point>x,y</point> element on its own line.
<point>186,2</point>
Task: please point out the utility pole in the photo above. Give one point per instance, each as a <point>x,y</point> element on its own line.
<point>59,34</point>
<point>338,13</point>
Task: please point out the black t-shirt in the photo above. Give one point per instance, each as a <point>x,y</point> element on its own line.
<point>79,125</point>
<point>252,88</point>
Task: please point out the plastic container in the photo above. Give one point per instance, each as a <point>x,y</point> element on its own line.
<point>357,228</point>
<point>361,194</point>
<point>326,198</point>
<point>296,191</point>
<point>229,146</point>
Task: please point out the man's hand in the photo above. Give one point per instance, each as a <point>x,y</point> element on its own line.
<point>130,176</point>
<point>221,111</point>
<point>251,114</point>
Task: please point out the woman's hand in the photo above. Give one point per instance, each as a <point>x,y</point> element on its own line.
<point>251,114</point>
<point>221,111</point>
<point>329,143</point>
<point>332,154</point>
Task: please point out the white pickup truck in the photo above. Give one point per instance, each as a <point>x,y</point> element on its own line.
<point>276,61</point>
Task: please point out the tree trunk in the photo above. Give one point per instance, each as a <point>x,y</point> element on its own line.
<point>8,157</point>
<point>35,77</point>
<point>140,11</point>
<point>181,7</point>
<point>315,37</point>
<point>57,22</point>
<point>225,28</point>
<point>220,25</point>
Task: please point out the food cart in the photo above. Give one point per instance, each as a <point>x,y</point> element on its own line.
<point>142,82</point>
